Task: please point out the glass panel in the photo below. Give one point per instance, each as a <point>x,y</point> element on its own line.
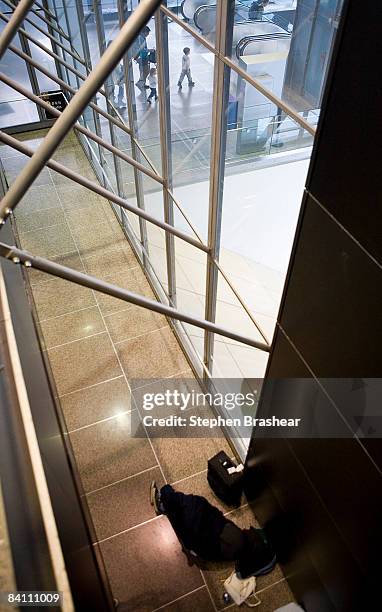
<point>265,171</point>
<point>191,120</point>
<point>14,108</point>
<point>200,15</point>
<point>44,83</point>
<point>289,44</point>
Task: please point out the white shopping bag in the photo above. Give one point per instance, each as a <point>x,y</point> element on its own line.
<point>241,589</point>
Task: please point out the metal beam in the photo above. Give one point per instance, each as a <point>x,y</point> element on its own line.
<point>240,300</point>
<point>67,87</point>
<point>161,33</point>
<point>13,24</point>
<point>224,28</point>
<point>79,128</point>
<point>55,56</point>
<point>47,11</point>
<point>40,263</point>
<point>155,175</point>
<point>135,148</point>
<point>74,54</point>
<point>80,100</point>
<point>96,188</point>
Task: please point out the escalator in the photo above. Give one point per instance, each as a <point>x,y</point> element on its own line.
<point>261,48</point>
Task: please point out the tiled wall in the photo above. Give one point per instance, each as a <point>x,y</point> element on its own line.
<point>322,497</point>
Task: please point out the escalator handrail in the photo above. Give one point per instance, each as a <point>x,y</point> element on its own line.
<point>246,40</point>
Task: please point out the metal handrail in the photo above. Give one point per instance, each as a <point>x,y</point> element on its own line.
<point>68,88</point>
<point>13,24</point>
<point>86,280</point>
<point>246,40</point>
<point>41,157</point>
<point>57,28</point>
<point>47,11</point>
<point>154,174</point>
<point>79,128</point>
<point>74,53</point>
<point>96,188</point>
<point>49,52</point>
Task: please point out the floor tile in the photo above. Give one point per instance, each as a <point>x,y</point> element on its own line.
<point>93,404</point>
<point>72,326</point>
<point>156,356</point>
<point>60,179</point>
<point>108,260</point>
<point>271,598</point>
<point>216,573</point>
<point>133,322</point>
<point>124,504</point>
<point>57,296</point>
<point>69,156</point>
<point>70,260</point>
<point>198,601</point>
<point>180,458</point>
<point>39,219</point>
<point>75,198</point>
<point>91,243</point>
<point>111,450</point>
<point>83,217</point>
<point>83,363</point>
<point>43,177</point>
<point>49,241</point>
<point>38,199</point>
<point>134,280</point>
<point>147,568</point>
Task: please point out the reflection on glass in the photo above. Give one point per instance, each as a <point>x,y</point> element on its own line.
<point>14,108</point>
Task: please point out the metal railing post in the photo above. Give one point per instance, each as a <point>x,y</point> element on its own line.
<point>224,29</point>
<point>132,114</point>
<point>97,7</point>
<point>161,32</point>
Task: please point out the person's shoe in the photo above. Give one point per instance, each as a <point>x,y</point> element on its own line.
<point>155,498</point>
<point>149,101</point>
<point>191,84</point>
<point>180,85</point>
<point>156,98</point>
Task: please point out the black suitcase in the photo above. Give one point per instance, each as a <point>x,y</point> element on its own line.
<point>227,487</point>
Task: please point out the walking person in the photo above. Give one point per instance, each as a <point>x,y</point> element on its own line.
<point>142,58</point>
<point>118,75</point>
<point>256,10</point>
<point>186,68</point>
<point>153,83</point>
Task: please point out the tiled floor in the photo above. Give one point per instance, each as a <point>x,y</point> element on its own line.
<point>96,347</point>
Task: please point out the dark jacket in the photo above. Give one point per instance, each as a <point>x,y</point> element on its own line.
<point>196,522</point>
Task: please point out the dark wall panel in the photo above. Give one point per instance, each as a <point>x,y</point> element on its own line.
<point>320,494</point>
<point>345,175</point>
<point>335,292</point>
